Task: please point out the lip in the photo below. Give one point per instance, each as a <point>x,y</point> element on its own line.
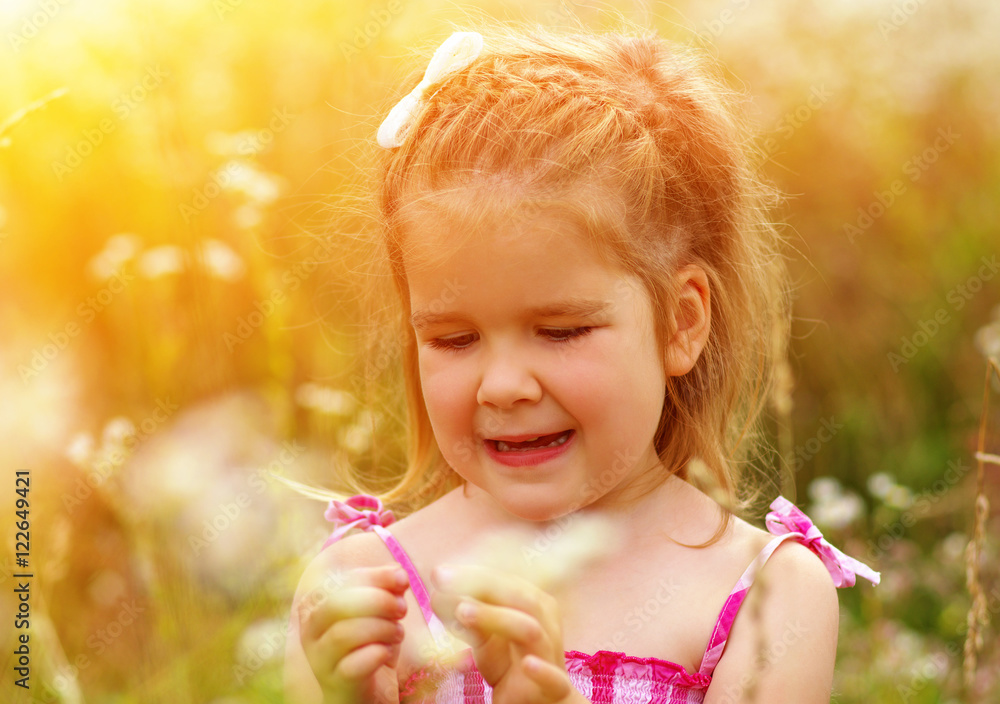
<point>524,436</point>
<point>528,458</point>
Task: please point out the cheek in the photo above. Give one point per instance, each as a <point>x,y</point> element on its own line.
<point>628,380</point>
<point>445,395</point>
<point>587,387</point>
<point>650,385</point>
<point>451,414</point>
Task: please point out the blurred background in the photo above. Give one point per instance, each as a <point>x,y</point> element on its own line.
<point>179,313</point>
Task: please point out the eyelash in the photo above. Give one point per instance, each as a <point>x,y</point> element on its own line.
<point>568,335</point>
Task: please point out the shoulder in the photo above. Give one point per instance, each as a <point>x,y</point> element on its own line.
<point>366,549</point>
<point>792,578</point>
<point>795,567</point>
<point>328,568</point>
<point>784,638</point>
<point>797,589</point>
<point>418,532</point>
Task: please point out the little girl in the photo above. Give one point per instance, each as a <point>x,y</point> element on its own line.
<point>591,298</point>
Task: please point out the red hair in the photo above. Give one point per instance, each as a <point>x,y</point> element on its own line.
<point>541,117</point>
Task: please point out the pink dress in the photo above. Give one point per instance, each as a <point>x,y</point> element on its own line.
<point>605,676</point>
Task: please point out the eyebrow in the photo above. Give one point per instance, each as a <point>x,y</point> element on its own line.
<point>572,307</point>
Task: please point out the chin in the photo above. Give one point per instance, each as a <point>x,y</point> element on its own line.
<point>535,508</point>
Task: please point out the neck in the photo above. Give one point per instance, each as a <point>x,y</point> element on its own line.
<point>633,510</point>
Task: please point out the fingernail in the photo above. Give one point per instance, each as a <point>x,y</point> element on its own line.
<point>401,578</point>
<point>465,612</point>
<point>444,577</point>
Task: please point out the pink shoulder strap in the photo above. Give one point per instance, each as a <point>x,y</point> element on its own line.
<point>365,512</point>
<point>785,522</point>
<point>720,634</point>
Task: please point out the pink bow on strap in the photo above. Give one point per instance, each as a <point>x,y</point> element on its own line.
<point>363,511</point>
<point>786,518</point>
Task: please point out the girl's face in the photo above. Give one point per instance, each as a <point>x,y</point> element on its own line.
<point>539,365</point>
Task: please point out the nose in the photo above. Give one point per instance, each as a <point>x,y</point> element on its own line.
<point>507,379</point>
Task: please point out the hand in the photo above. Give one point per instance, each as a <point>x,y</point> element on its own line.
<point>515,631</point>
<point>348,634</point>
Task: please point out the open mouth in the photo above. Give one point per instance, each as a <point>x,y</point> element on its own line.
<point>537,443</point>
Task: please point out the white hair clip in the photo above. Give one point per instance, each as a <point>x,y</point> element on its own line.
<point>457,52</point>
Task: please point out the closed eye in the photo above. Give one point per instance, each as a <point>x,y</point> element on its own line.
<point>452,344</point>
<point>565,334</point>
<point>461,342</point>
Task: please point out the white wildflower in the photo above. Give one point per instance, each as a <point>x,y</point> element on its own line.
<point>118,250</point>
<point>953,546</point>
<point>257,186</point>
<point>824,489</point>
<point>161,261</point>
<point>988,339</point>
<point>833,506</point>
<point>247,216</point>
<point>879,485</point>
<point>551,558</point>
<point>883,486</point>
<point>116,430</point>
<point>325,400</point>
<point>356,438</point>
<point>80,449</point>
<point>335,402</point>
<point>839,511</point>
<point>263,188</point>
<point>899,497</point>
<point>220,260</point>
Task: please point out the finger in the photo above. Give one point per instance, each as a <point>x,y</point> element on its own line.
<point>495,587</point>
<point>552,681</point>
<point>485,620</point>
<point>445,605</point>
<point>355,632</point>
<point>390,577</point>
<point>314,602</point>
<point>350,603</point>
<point>348,636</point>
<point>364,661</point>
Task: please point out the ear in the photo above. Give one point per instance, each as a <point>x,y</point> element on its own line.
<point>692,321</point>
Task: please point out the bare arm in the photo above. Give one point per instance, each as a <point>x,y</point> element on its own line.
<point>340,647</point>
<point>783,642</point>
